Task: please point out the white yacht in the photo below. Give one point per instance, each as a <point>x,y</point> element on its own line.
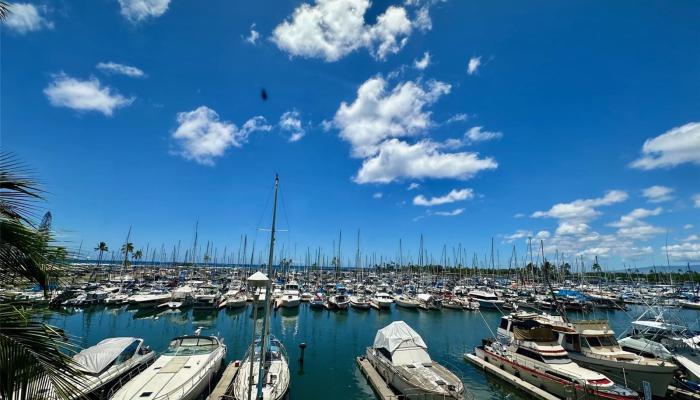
<point>183,372</point>
<point>427,301</point>
<point>339,301</point>
<point>486,299</point>
<point>151,299</point>
<point>360,302</point>
<point>401,357</point>
<point>290,295</point>
<point>276,372</point>
<point>529,350</point>
<point>405,301</point>
<point>105,363</point>
<point>382,300</point>
<point>235,299</point>
<point>592,344</point>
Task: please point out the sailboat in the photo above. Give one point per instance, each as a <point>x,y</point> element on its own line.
<point>264,372</point>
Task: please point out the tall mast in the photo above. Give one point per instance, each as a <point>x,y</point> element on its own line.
<point>265,337</point>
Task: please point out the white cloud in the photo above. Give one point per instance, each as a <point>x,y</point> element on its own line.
<point>253,36</point>
<point>641,231</point>
<point>475,134</point>
<point>115,68</point>
<point>378,195</point>
<point>572,228</point>
<point>423,62</point>
<point>290,121</point>
<point>519,234</point>
<point>683,252</point>
<point>519,215</point>
<point>473,66</point>
<point>691,238</point>
<point>396,159</point>
<point>460,117</point>
<point>375,120</point>
<point>413,186</point>
<point>378,114</point>
<point>543,235</point>
<point>688,226</point>
<point>634,217</point>
<point>677,146</point>
<point>696,200</point>
<point>140,10</point>
<point>582,210</point>
<point>331,29</point>
<point>24,18</point>
<point>422,20</point>
<point>453,196</point>
<point>657,194</point>
<point>452,213</point>
<point>201,137</point>
<point>84,95</point>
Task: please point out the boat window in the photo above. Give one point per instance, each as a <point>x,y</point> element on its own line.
<point>560,376</point>
<point>189,346</point>
<point>598,341</point>
<point>560,359</point>
<point>529,354</point>
<point>385,353</point>
<point>127,353</point>
<point>504,323</point>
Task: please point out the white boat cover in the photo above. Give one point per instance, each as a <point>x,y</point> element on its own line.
<point>423,297</point>
<point>96,358</point>
<point>396,334</point>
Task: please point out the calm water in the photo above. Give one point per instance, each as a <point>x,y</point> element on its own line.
<point>333,340</point>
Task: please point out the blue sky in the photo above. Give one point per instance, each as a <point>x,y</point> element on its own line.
<point>573,122</point>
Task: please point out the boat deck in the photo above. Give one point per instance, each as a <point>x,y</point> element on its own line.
<point>530,389</point>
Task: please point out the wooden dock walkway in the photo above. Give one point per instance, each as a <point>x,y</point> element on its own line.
<point>521,384</point>
<point>221,388</point>
<point>375,380</point>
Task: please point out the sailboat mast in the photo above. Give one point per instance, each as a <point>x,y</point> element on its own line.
<point>264,340</point>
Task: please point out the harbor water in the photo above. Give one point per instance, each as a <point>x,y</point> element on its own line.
<point>333,338</point>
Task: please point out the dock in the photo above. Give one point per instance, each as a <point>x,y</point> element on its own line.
<point>679,393</point>
<point>530,389</point>
<point>375,380</point>
<point>221,389</point>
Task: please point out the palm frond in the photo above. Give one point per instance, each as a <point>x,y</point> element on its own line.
<point>34,358</point>
<point>18,190</point>
<point>23,252</point>
<point>4,10</point>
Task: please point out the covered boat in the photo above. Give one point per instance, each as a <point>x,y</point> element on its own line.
<point>401,357</point>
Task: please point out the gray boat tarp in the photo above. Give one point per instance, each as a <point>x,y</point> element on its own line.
<point>98,357</point>
<point>405,345</point>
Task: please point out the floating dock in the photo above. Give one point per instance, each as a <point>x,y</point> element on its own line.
<point>375,380</point>
<point>530,389</point>
<point>221,389</point>
<point>678,393</point>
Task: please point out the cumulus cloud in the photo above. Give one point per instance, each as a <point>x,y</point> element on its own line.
<point>378,195</point>
<point>453,196</point>
<point>24,18</point>
<point>378,117</point>
<point>331,29</point>
<point>84,95</point>
<point>688,226</point>
<point>253,36</point>
<point>473,65</point>
<point>460,117</point>
<point>202,137</point>
<point>140,10</point>
<point>413,186</point>
<point>121,69</point>
<point>696,200</point>
<point>290,121</point>
<point>476,134</point>
<point>686,252</point>
<point>423,62</point>
<point>634,217</point>
<point>676,146</point>
<point>658,194</point>
<point>691,238</point>
<point>582,210</point>
<point>395,159</point>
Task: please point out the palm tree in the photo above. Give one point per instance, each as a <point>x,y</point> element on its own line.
<point>4,10</point>
<point>33,355</point>
<point>101,247</point>
<point>137,255</point>
<point>126,249</point>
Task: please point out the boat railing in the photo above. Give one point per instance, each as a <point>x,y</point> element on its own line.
<point>114,387</point>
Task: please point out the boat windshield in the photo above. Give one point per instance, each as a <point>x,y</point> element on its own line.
<point>561,359</point>
<point>602,341</point>
<point>190,346</point>
<point>275,352</point>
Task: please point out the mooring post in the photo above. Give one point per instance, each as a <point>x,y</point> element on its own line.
<point>302,346</point>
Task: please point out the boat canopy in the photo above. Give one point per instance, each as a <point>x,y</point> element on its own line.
<point>403,343</point>
<point>97,358</point>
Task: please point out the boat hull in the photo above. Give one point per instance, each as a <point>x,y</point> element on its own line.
<point>659,377</point>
